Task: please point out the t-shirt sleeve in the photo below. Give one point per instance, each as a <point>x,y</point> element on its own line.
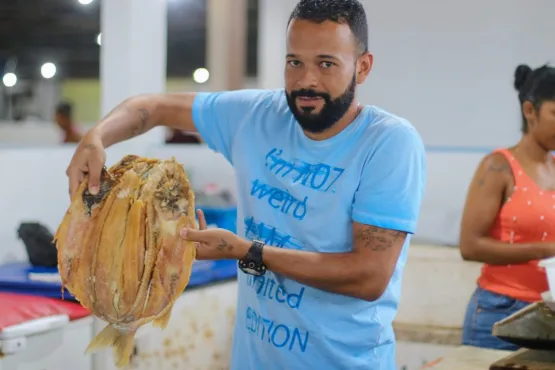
<point>393,181</point>
<point>218,116</point>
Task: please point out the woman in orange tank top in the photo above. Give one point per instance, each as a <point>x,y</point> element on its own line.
<point>509,216</point>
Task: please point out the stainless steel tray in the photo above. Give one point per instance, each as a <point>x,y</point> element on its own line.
<point>533,327</point>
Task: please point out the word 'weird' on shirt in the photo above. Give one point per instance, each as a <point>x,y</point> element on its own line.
<point>276,334</point>
<point>280,199</point>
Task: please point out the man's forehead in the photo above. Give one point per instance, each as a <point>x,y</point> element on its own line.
<point>322,38</point>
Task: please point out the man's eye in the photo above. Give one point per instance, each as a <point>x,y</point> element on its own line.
<point>294,63</point>
<point>326,64</point>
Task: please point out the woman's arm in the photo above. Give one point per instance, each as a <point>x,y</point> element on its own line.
<point>484,199</point>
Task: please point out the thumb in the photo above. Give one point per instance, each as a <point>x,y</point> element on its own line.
<point>192,235</point>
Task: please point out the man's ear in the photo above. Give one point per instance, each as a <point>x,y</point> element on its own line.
<point>364,66</point>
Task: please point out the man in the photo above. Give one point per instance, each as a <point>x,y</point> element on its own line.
<point>329,193</point>
<point>64,120</point>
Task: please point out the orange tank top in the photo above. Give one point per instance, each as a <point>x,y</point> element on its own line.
<point>527,216</point>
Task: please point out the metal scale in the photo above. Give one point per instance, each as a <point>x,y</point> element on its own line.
<point>532,329</point>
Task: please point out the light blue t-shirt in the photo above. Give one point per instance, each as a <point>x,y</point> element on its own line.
<point>294,192</point>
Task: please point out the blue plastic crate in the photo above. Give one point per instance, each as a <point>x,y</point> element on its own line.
<point>225,218</point>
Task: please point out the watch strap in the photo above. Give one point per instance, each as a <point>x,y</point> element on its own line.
<point>255,251</point>
<point>252,262</point>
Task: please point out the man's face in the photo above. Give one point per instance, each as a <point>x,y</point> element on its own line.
<point>323,67</point>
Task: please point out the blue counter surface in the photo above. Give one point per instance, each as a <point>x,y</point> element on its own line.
<point>19,277</point>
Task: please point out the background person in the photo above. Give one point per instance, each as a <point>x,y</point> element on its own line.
<point>509,217</point>
<point>64,119</point>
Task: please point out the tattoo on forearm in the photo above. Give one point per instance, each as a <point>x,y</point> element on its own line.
<point>144,116</point>
<point>224,246</point>
<point>378,239</point>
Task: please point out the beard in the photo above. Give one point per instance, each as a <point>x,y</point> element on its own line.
<point>331,112</point>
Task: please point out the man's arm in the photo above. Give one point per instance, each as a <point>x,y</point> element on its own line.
<point>217,117</point>
<point>386,208</point>
<point>139,114</point>
<point>363,273</point>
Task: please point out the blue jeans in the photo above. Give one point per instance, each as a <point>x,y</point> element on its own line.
<point>485,309</point>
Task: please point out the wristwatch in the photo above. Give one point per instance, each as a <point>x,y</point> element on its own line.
<point>252,262</point>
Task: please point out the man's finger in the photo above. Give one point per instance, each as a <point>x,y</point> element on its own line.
<point>95,169</point>
<point>201,220</point>
<point>192,235</point>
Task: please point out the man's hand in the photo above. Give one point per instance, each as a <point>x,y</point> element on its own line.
<point>215,244</point>
<point>131,118</point>
<point>88,159</point>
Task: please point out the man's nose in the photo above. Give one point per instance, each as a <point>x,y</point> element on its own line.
<point>309,79</point>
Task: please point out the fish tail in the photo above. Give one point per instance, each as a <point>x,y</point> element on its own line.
<point>122,344</point>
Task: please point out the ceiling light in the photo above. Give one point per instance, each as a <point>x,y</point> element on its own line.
<point>9,80</point>
<point>201,75</point>
<point>48,70</point>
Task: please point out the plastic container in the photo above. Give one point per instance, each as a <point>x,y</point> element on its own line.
<point>222,217</point>
<point>549,265</point>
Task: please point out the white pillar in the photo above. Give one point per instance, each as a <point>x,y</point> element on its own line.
<point>226,43</point>
<point>272,26</point>
<point>49,93</point>
<point>133,54</point>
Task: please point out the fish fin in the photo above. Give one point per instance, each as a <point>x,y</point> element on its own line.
<point>163,321</point>
<point>106,338</point>
<point>123,349</point>
<point>122,344</point>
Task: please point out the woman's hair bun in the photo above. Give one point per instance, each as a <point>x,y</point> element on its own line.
<point>522,73</point>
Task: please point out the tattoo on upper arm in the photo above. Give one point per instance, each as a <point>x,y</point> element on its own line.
<point>144,116</point>
<point>377,238</point>
<point>493,168</point>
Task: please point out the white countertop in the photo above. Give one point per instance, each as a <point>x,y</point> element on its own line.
<point>467,358</point>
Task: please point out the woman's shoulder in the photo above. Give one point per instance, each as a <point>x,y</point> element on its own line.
<point>497,159</point>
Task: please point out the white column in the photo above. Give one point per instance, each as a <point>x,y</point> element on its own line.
<point>272,26</point>
<point>47,93</point>
<point>227,43</point>
<point>133,54</point>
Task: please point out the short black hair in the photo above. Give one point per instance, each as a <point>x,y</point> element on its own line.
<point>350,12</point>
<point>65,109</point>
<point>535,86</point>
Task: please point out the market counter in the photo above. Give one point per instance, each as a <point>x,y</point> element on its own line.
<point>467,358</point>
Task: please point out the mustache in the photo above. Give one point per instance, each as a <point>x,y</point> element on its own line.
<point>309,93</point>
